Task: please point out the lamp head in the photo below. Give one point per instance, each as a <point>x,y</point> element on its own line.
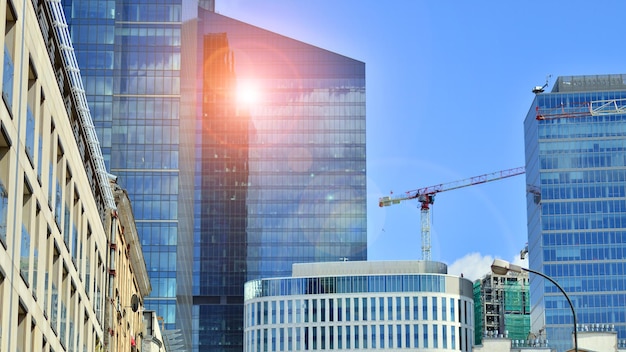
<point>500,267</point>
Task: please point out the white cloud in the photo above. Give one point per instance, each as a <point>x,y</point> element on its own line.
<point>474,266</point>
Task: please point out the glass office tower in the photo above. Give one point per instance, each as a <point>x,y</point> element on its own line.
<point>576,173</point>
<point>280,163</point>
<point>243,151</point>
<point>129,56</point>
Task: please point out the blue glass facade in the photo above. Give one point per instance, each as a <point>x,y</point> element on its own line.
<point>281,178</point>
<point>223,192</point>
<point>129,53</point>
<point>576,171</point>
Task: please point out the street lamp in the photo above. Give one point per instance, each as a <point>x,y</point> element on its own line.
<point>501,267</point>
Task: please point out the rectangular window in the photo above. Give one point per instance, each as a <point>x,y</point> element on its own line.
<point>348,338</point>
<point>443,309</point>
<point>274,314</point>
<point>58,198</point>
<point>416,336</point>
<point>382,336</point>
<point>390,336</point>
<point>407,309</point>
<point>340,336</point>
<point>373,331</point>
<point>31,105</point>
<point>29,142</point>
<point>398,308</point>
<point>282,312</point>
<point>381,309</point>
<point>298,311</point>
<point>40,133</point>
<point>444,336</point>
<point>451,309</point>
<point>424,309</point>
<point>364,309</point>
<point>331,336</point>
<point>9,55</point>
<point>315,313</point>
<point>348,310</point>
<point>4,208</point>
<point>356,309</point>
<point>298,339</point>
<point>435,336</point>
<point>25,253</point>
<point>399,336</point>
<point>289,312</point>
<point>356,337</point>
<point>415,308</point>
<point>425,335</point>
<point>452,338</point>
<point>75,228</point>
<point>434,307</point>
<point>27,228</point>
<point>339,309</point>
<point>389,308</point>
<point>407,336</point>
<point>373,308</point>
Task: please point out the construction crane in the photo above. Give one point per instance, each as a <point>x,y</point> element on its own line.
<point>426,196</point>
<point>591,108</point>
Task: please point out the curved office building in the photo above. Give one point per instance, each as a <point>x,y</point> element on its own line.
<point>408,305</point>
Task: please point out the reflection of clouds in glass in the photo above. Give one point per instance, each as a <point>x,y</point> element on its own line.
<point>299,159</point>
<point>331,210</point>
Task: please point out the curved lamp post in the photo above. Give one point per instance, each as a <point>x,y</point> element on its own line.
<point>501,267</point>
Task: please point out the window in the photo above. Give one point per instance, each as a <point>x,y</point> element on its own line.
<point>27,227</point>
<point>9,55</point>
<point>399,336</point>
<point>4,177</point>
<point>443,309</point>
<point>31,105</point>
<point>4,207</point>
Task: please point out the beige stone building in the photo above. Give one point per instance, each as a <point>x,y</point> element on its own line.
<point>62,238</point>
<point>128,280</point>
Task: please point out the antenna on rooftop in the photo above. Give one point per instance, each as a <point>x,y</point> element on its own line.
<point>541,89</point>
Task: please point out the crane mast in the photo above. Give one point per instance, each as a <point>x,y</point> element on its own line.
<point>426,197</point>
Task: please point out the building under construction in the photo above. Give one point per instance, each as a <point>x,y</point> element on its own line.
<point>502,306</point>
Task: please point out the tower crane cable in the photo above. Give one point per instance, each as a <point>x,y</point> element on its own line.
<point>426,197</point>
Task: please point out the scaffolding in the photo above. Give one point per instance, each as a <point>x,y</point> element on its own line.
<point>502,306</point>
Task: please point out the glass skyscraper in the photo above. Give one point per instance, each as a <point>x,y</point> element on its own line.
<point>576,173</point>
<point>243,151</point>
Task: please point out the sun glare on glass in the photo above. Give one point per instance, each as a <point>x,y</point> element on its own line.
<point>248,93</point>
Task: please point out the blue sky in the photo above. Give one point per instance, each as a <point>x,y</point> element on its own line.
<point>448,87</point>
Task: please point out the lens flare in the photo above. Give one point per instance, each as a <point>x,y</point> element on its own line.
<point>248,93</point>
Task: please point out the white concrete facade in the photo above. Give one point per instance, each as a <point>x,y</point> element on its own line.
<point>413,306</point>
